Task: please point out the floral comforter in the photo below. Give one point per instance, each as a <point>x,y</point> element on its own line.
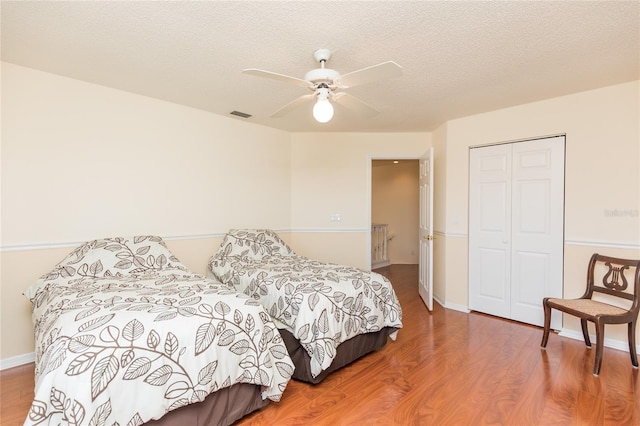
<point>125,333</point>
<point>321,304</point>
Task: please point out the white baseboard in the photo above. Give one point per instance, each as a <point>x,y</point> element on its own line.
<point>455,307</point>
<point>16,361</point>
<point>380,264</point>
<point>621,345</point>
<point>452,306</point>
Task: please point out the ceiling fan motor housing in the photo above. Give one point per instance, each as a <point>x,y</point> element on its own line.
<point>322,75</point>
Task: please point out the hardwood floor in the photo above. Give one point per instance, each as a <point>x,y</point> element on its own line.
<point>446,368</point>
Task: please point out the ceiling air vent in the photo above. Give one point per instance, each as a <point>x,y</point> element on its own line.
<point>240,114</point>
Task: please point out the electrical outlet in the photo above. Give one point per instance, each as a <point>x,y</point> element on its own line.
<point>336,217</point>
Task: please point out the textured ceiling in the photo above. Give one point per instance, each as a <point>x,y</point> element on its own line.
<point>458,58</point>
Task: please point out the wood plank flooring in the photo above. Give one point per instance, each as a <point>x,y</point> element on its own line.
<point>446,368</point>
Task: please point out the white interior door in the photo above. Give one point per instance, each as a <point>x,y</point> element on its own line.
<point>516,228</point>
<point>425,274</point>
<point>490,230</point>
<point>537,232</point>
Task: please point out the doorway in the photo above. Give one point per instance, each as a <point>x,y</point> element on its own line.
<point>395,202</point>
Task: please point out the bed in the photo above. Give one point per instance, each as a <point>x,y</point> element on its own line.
<point>126,334</point>
<point>328,315</point>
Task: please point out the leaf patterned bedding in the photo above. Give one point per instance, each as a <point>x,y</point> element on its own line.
<point>322,304</point>
<point>126,333</point>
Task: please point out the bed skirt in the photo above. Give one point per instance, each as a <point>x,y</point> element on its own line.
<point>220,408</point>
<point>346,353</point>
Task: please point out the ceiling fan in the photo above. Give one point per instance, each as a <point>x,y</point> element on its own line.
<point>325,84</point>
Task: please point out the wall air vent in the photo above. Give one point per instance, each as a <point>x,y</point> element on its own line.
<point>240,114</point>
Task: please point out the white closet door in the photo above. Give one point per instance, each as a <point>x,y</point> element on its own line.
<point>537,232</point>
<point>490,230</point>
<point>516,228</point>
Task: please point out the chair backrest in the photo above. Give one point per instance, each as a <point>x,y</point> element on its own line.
<point>615,277</point>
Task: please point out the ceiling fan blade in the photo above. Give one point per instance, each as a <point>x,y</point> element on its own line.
<point>292,105</point>
<point>279,77</point>
<point>355,104</point>
<point>370,74</point>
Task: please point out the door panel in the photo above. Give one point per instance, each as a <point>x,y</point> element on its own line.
<point>492,279</point>
<point>532,206</point>
<point>493,199</point>
<point>492,293</point>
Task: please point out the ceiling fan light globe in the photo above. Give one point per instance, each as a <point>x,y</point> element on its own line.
<point>323,111</point>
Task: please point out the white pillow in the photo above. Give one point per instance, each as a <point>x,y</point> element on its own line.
<point>255,244</point>
<point>112,257</point>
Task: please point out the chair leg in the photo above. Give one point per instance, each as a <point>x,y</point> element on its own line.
<point>585,332</point>
<point>632,343</point>
<point>599,347</point>
<point>547,323</point>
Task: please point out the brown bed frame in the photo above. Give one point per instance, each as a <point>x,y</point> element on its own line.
<point>346,353</point>
<point>221,408</point>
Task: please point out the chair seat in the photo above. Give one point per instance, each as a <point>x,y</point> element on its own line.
<point>588,306</point>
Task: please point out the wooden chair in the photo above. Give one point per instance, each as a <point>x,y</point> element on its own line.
<point>614,283</point>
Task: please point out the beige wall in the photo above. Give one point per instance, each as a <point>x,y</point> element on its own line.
<point>331,174</point>
<point>395,201</point>
<point>334,247</point>
<point>80,161</point>
<point>602,175</point>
